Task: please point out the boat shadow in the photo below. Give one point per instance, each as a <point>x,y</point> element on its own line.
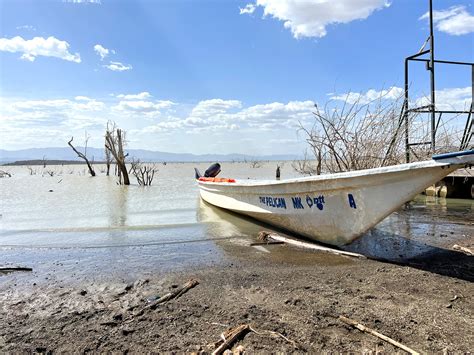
<point>411,249</point>
<point>380,245</point>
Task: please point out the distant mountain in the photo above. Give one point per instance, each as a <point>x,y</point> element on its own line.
<point>8,156</point>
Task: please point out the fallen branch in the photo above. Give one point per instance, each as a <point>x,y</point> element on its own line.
<point>175,294</point>
<point>270,332</point>
<point>265,243</point>
<point>169,296</point>
<point>267,236</point>
<point>229,337</point>
<point>11,269</point>
<point>463,249</point>
<point>377,334</point>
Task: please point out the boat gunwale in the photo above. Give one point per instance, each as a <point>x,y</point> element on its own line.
<point>335,176</point>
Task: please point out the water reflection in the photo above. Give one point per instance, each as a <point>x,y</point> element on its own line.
<point>405,235</point>
<point>117,205</point>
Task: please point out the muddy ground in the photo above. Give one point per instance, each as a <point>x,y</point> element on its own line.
<point>426,304</point>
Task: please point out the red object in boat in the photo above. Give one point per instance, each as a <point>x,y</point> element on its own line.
<point>215,179</point>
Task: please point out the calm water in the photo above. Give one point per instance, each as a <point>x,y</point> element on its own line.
<point>71,219</point>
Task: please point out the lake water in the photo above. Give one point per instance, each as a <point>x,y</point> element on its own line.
<point>79,224</point>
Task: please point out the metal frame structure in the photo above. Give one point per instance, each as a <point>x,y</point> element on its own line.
<point>431,108</point>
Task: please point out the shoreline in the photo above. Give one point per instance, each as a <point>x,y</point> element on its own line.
<point>426,304</point>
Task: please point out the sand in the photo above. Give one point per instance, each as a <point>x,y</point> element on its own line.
<point>426,304</point>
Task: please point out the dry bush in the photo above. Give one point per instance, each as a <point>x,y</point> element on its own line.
<point>357,136</point>
<point>255,164</point>
<point>143,173</point>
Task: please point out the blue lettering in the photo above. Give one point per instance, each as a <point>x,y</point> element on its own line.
<point>277,202</point>
<point>297,203</point>
<point>318,201</point>
<point>352,202</point>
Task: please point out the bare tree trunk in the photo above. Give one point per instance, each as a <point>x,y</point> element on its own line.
<point>114,142</point>
<point>82,156</point>
<point>108,160</point>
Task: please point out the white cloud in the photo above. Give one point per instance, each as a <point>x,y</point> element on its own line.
<point>211,107</point>
<point>82,98</point>
<point>39,46</point>
<point>454,21</point>
<point>102,51</point>
<point>449,99</point>
<point>392,93</point>
<point>117,66</point>
<point>141,96</point>
<point>217,115</point>
<point>143,106</point>
<point>32,121</point>
<point>248,9</point>
<point>26,27</point>
<point>307,18</point>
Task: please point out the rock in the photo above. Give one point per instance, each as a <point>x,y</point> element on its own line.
<point>127,331</point>
<point>83,292</point>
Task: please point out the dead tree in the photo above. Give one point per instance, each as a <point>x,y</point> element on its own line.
<point>143,173</point>
<point>114,143</point>
<point>108,160</point>
<point>355,136</point>
<point>4,173</point>
<point>254,163</point>
<point>82,156</point>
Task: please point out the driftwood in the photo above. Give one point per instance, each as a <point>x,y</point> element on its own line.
<point>377,334</point>
<point>270,332</point>
<point>265,243</point>
<point>175,294</point>
<point>169,296</point>
<point>267,236</point>
<point>230,336</point>
<point>12,269</point>
<point>463,249</point>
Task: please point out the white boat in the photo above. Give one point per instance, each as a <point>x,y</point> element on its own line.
<point>335,208</point>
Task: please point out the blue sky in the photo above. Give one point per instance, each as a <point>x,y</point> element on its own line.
<point>207,76</point>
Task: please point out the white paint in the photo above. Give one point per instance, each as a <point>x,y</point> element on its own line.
<point>376,192</point>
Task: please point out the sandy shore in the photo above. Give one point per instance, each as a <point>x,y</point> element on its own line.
<point>427,304</point>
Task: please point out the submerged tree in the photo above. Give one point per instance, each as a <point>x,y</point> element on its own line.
<point>143,173</point>
<point>108,160</point>
<point>114,143</point>
<point>82,156</point>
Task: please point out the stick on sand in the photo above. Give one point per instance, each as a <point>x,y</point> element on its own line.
<point>377,334</point>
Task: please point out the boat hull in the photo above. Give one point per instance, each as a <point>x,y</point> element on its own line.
<point>333,209</point>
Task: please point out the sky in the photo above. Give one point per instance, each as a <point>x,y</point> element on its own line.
<point>213,76</point>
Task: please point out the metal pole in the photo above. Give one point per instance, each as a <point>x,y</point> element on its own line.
<point>472,85</point>
<point>405,115</point>
<point>432,81</point>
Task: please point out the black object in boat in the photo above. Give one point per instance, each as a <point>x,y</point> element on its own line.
<point>213,170</point>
